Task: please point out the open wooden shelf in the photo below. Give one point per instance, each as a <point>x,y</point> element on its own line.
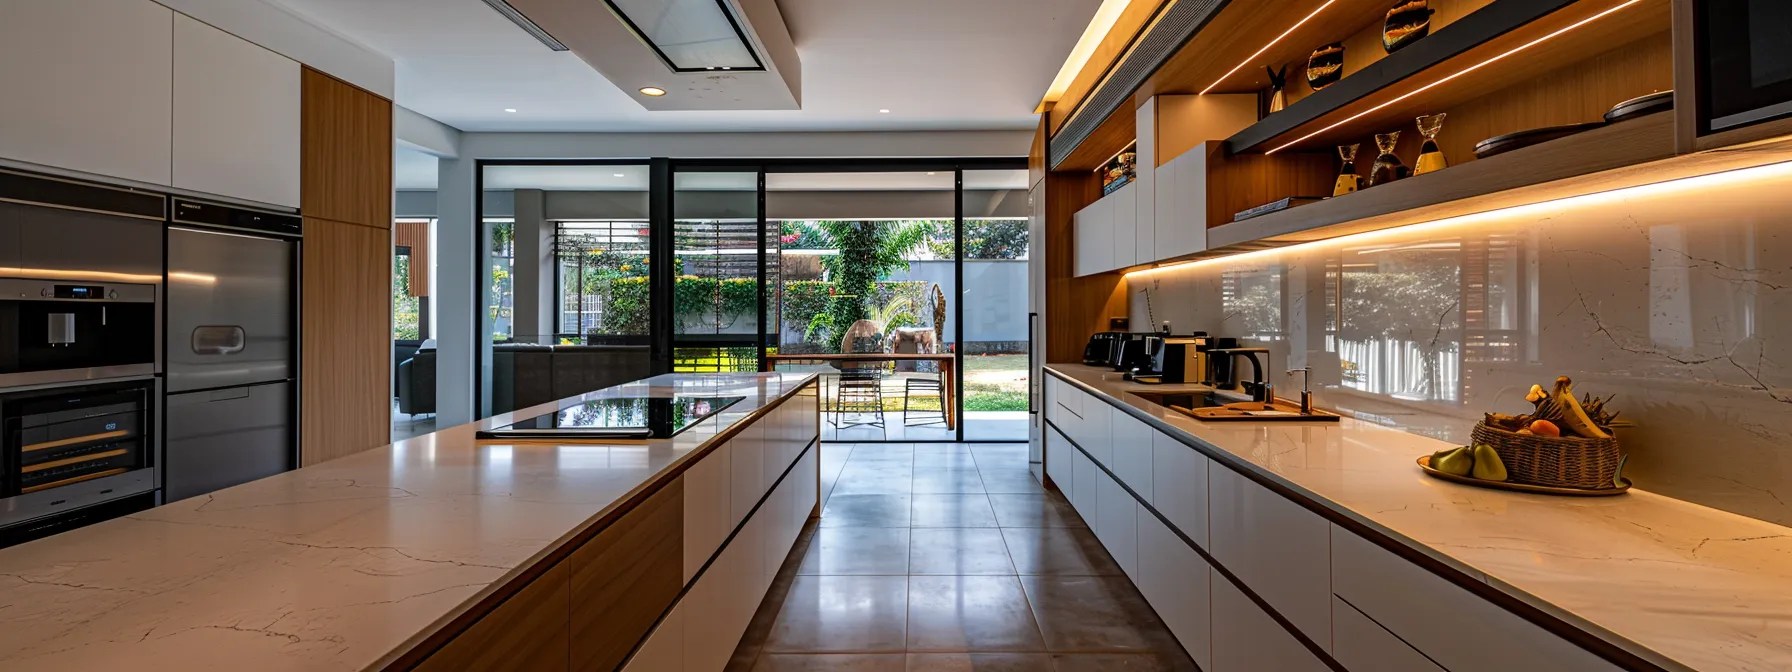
<point>1486,33</point>
<point>1532,174</point>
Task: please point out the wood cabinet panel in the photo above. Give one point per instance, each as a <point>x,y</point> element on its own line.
<point>100,103</point>
<point>529,631</point>
<point>1456,628</point>
<point>1179,486</point>
<point>346,307</point>
<point>1280,550</point>
<point>1245,639</point>
<point>625,578</point>
<point>236,116</point>
<point>347,160</point>
<point>1175,580</point>
<point>1362,644</point>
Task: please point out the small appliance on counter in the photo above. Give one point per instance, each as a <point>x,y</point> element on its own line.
<point>1100,350</point>
<point>1136,352</point>
<point>621,419</point>
<point>1181,359</point>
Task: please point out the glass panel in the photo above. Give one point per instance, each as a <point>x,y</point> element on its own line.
<point>405,308</point>
<point>716,262</point>
<point>716,360</point>
<point>996,305</point>
<point>565,293</point>
<point>693,34</point>
<point>865,265</point>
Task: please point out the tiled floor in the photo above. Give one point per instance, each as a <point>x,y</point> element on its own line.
<point>950,557</point>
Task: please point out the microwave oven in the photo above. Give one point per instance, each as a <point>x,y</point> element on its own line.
<point>1743,57</point>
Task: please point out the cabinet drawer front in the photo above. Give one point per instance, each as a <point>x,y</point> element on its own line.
<point>1132,452</point>
<point>1059,464</point>
<point>1083,492</point>
<point>1174,579</point>
<point>1117,522</point>
<point>1452,626</point>
<point>1361,644</point>
<point>747,458</point>
<point>1279,549</point>
<point>1179,486</point>
<point>664,649</point>
<point>1247,640</point>
<point>1095,433</point>
<point>707,501</point>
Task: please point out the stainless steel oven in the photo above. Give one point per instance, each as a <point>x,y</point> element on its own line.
<point>65,447</point>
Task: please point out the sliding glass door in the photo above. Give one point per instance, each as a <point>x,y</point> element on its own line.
<point>996,323</point>
<point>718,271</point>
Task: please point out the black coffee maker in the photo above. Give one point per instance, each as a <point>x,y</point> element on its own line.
<point>1102,348</point>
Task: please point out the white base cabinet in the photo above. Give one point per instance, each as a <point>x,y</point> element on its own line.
<point>1116,522</point>
<point>1280,550</point>
<point>1362,644</point>
<point>1176,581</point>
<point>1245,639</point>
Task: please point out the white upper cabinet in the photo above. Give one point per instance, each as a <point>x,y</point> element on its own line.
<point>236,116</point>
<point>1187,223</point>
<point>1125,216</point>
<point>1145,233</point>
<point>88,86</point>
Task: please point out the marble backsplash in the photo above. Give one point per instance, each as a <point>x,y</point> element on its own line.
<point>1677,300</point>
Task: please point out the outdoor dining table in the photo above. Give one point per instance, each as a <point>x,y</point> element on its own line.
<point>946,362</point>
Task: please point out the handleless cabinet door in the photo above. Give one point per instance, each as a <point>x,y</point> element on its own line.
<point>1083,237</point>
<point>1168,220</point>
<point>1116,523</point>
<point>236,116</point>
<point>1132,452</point>
<point>1059,463</point>
<point>1121,239</point>
<point>88,86</point>
<point>1084,489</point>
<point>664,649</point>
<point>1179,486</point>
<point>1247,640</point>
<point>747,457</point>
<point>707,501</point>
<point>1096,432</point>
<point>1362,644</point>
<point>1278,549</point>
<point>1175,580</point>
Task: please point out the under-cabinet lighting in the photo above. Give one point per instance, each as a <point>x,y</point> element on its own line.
<point>1766,173</point>
<point>1103,21</point>
<point>1253,57</point>
<point>1465,71</point>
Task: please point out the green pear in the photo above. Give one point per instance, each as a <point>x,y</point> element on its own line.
<point>1458,462</point>
<point>1488,466</point>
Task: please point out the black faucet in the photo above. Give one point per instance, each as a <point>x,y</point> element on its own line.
<point>1260,388</point>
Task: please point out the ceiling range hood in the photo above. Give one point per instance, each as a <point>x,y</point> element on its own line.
<point>689,35</point>
<point>704,54</point>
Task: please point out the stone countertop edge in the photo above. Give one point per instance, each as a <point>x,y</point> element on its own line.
<point>1155,415</point>
<point>593,524</point>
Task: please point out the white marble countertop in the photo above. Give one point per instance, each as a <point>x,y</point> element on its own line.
<point>338,566</point>
<point>1681,585</point>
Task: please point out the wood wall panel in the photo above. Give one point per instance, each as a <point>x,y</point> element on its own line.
<point>1244,181</point>
<point>625,578</point>
<point>415,235</point>
<point>347,162</point>
<point>1075,307</point>
<point>529,631</point>
<point>346,339</point>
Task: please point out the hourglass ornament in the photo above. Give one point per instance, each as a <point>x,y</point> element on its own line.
<point>1431,158</point>
<point>1348,180</point>
<point>1387,167</point>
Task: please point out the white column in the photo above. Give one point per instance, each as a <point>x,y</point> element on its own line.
<point>457,303</point>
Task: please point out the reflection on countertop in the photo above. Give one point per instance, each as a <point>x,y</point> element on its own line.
<point>1679,303</point>
<point>1686,586</point>
<point>340,565</point>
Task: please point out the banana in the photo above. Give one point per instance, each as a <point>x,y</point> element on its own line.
<point>1573,416</point>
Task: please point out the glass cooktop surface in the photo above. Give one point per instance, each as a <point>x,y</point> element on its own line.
<point>624,418</point>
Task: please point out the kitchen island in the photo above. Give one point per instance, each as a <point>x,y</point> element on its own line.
<point>441,552</point>
<point>1324,547</point>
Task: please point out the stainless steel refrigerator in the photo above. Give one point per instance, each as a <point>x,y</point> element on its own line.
<point>231,339</point>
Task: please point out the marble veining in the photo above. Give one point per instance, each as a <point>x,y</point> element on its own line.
<point>1678,302</point>
<point>337,566</point>
<point>1683,585</point>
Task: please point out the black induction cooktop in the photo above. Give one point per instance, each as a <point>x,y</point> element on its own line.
<point>638,418</point>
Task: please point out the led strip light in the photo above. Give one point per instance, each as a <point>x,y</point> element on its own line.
<point>1253,57</point>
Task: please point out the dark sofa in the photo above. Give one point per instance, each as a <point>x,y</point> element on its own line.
<point>524,375</point>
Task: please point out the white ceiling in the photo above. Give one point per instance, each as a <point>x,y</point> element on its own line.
<point>935,64</point>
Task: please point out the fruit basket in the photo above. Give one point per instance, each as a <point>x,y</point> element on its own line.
<point>1564,444</point>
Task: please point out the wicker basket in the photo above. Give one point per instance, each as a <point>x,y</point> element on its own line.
<point>1566,462</point>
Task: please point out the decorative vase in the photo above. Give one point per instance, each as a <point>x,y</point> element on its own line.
<point>1387,167</point>
<point>1408,22</point>
<point>1278,80</point>
<point>1348,180</point>
<point>1325,66</point>
<point>1431,158</point>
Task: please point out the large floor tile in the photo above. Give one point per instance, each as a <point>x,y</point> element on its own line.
<point>845,510</point>
<point>979,662</point>
<point>843,614</point>
<point>831,662</point>
<point>1095,614</point>
<point>942,449</point>
<point>1058,551</point>
<point>840,551</point>
<point>952,511</point>
<point>960,460</point>
<point>1043,510</point>
<point>970,613</point>
<point>958,551</point>
<point>946,481</point>
<point>873,484</point>
<point>1010,482</point>
<point>1170,661</point>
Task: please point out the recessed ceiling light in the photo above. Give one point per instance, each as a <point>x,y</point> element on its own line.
<point>883,111</point>
<point>621,175</point>
<point>652,91</point>
<point>509,109</point>
<point>930,172</point>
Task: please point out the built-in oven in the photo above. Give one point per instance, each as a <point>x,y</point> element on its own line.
<point>1743,61</point>
<point>64,447</point>
<point>72,331</point>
